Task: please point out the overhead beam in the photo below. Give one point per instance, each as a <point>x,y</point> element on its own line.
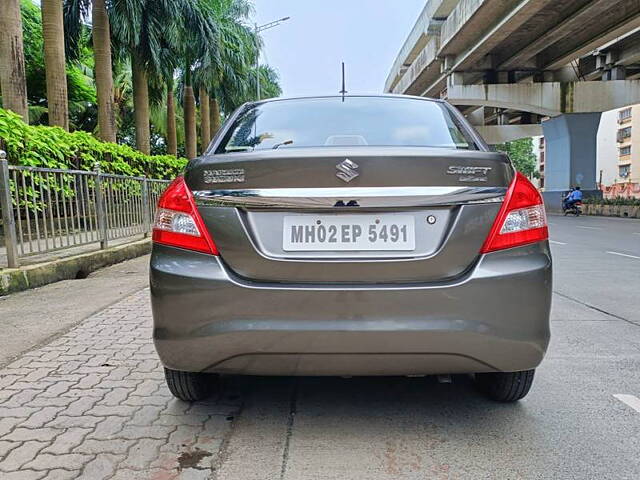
<point>629,56</point>
<point>549,99</point>
<point>597,41</point>
<point>427,26</point>
<point>556,33</point>
<point>479,43</point>
<point>425,66</point>
<point>511,22</point>
<point>592,67</point>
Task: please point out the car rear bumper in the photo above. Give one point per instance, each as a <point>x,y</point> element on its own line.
<point>494,318</point>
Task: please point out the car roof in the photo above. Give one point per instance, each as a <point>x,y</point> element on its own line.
<point>363,95</point>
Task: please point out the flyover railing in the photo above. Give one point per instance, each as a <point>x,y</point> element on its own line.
<point>46,210</point>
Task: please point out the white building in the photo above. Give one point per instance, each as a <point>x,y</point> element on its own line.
<point>607,160</point>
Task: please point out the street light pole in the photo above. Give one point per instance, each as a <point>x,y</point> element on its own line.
<point>257,30</point>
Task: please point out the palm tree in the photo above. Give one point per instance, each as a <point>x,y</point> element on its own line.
<point>121,93</point>
<point>167,121</point>
<point>74,12</point>
<point>142,28</point>
<point>235,78</point>
<point>169,60</point>
<point>199,50</point>
<point>104,71</point>
<point>13,81</point>
<point>214,117</point>
<point>269,86</point>
<point>54,57</point>
<point>172,132</point>
<point>226,77</point>
<point>231,80</point>
<point>190,131</point>
<point>159,44</point>
<point>134,28</point>
<point>141,103</point>
<point>205,118</point>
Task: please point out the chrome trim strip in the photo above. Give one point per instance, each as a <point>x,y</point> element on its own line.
<point>340,192</point>
<point>365,196</point>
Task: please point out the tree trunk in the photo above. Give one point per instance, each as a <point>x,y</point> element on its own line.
<point>214,114</point>
<point>104,73</point>
<point>141,105</point>
<point>204,120</point>
<point>172,136</point>
<point>54,60</point>
<point>190,131</point>
<point>12,75</point>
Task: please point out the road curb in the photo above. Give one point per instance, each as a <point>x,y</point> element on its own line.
<point>78,266</point>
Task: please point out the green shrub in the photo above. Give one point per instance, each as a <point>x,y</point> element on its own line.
<point>52,147</point>
<point>623,201</point>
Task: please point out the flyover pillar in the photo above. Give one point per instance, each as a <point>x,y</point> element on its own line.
<point>570,155</point>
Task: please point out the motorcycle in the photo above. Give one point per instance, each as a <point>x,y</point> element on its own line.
<point>575,209</point>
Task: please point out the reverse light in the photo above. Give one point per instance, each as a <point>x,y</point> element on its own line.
<point>177,222</point>
<point>521,219</point>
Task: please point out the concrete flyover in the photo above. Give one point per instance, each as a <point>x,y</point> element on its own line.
<point>523,67</point>
<point>549,99</point>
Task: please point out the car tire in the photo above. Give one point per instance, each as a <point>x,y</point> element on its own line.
<point>505,386</point>
<point>191,386</point>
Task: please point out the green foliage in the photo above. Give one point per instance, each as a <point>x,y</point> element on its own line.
<point>232,79</point>
<point>269,82</point>
<point>81,90</point>
<point>209,40</point>
<point>521,154</point>
<point>52,147</point>
<point>34,56</point>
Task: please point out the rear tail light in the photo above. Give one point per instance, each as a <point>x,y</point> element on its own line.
<point>521,220</point>
<point>178,222</point>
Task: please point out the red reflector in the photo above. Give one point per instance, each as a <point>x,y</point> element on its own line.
<point>178,223</point>
<point>521,219</point>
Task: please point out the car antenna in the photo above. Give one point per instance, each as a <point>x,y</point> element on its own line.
<point>344,89</point>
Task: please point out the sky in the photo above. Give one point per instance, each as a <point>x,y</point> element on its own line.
<point>306,50</point>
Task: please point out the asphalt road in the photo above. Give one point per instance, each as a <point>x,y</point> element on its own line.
<point>571,426</point>
<point>597,262</point>
<point>580,421</point>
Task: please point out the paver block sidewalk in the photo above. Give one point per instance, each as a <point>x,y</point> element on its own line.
<point>93,404</point>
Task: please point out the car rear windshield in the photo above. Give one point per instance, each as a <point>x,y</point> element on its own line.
<point>348,121</point>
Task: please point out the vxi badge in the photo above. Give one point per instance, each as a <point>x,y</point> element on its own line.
<point>469,174</point>
<point>347,170</point>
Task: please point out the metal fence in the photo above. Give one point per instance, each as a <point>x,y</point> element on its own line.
<point>45,210</point>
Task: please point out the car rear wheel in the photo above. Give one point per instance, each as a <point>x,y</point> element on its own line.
<point>191,386</point>
<point>505,386</point>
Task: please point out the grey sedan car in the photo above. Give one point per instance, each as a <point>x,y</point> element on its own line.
<point>350,235</point>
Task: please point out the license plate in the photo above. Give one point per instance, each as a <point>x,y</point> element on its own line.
<point>382,232</point>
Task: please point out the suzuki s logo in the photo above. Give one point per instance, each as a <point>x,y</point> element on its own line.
<point>348,170</point>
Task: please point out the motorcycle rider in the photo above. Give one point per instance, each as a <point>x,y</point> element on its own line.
<point>574,197</point>
<point>566,198</point>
